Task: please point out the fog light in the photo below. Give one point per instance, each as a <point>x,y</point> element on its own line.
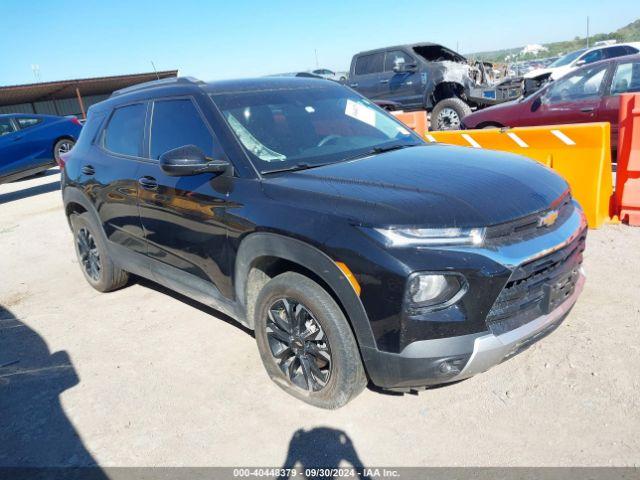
<point>430,289</point>
<point>451,366</point>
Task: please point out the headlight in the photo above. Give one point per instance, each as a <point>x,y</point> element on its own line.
<point>401,237</point>
<point>433,289</point>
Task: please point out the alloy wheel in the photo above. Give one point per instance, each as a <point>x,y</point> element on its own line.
<point>298,344</point>
<point>88,253</point>
<point>63,147</point>
<point>448,119</point>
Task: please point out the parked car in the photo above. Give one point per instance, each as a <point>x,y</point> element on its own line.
<point>30,143</point>
<point>431,77</point>
<point>330,74</point>
<point>588,94</point>
<point>574,60</point>
<point>354,250</point>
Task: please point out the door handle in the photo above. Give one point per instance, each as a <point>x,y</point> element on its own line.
<point>353,84</point>
<point>20,137</point>
<point>587,109</point>
<point>384,81</point>
<point>148,183</point>
<point>88,170</point>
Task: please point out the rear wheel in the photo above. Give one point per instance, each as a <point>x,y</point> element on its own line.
<point>448,114</point>
<point>95,263</point>
<point>306,343</point>
<point>61,147</point>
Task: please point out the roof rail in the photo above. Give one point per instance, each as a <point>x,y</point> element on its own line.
<point>157,83</point>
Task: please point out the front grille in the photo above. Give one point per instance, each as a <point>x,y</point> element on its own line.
<point>536,288</point>
<point>527,227</point>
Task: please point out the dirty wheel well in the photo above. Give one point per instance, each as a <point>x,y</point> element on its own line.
<point>73,208</point>
<point>447,90</point>
<point>264,269</point>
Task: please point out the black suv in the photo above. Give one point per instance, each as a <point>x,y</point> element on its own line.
<point>354,250</point>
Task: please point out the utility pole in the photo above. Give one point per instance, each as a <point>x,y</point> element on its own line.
<point>315,50</point>
<point>587,31</point>
<point>36,72</point>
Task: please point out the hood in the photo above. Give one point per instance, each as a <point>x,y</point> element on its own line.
<point>537,72</point>
<point>430,186</point>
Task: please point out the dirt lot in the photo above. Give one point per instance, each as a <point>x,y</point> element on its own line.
<point>143,377</point>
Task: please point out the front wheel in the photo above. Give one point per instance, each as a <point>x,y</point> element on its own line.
<point>448,114</point>
<point>306,343</point>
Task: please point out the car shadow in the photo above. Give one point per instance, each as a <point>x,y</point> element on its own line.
<point>34,428</point>
<point>29,192</point>
<point>44,173</point>
<point>321,447</point>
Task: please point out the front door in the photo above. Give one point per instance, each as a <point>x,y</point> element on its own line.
<point>573,99</point>
<point>404,84</point>
<point>366,79</point>
<point>183,217</point>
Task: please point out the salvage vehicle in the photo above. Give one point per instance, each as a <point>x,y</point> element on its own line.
<point>430,77</point>
<point>330,74</point>
<point>588,94</point>
<point>31,143</point>
<point>355,251</point>
<point>574,60</point>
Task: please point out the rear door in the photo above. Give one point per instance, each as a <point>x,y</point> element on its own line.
<point>403,87</point>
<point>367,71</point>
<point>625,79</point>
<point>37,137</point>
<point>183,217</point>
<point>108,175</point>
<point>575,98</point>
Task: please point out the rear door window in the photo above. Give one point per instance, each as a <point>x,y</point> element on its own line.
<point>176,123</point>
<point>368,64</point>
<point>627,78</point>
<point>616,51</point>
<point>124,132</point>
<point>27,122</point>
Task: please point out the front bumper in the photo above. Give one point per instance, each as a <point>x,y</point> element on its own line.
<point>419,365</point>
<point>424,362</point>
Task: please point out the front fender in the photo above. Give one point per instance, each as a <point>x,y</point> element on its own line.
<point>264,244</point>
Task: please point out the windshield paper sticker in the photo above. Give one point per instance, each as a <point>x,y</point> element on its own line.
<point>360,112</point>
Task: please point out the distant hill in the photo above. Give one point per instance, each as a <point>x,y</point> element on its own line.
<point>628,33</point>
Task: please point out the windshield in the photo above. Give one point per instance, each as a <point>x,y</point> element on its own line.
<point>308,126</point>
<point>567,59</point>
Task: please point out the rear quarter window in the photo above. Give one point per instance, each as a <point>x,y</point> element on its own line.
<point>24,123</point>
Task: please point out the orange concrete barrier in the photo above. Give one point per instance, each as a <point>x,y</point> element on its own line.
<point>416,121</point>
<point>580,153</point>
<point>627,199</point>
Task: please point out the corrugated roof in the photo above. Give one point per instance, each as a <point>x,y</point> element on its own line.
<point>35,92</point>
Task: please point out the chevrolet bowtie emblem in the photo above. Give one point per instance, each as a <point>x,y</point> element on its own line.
<point>548,219</point>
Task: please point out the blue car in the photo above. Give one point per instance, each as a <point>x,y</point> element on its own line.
<point>32,143</point>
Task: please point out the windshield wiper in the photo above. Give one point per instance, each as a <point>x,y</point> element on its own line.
<point>382,149</point>
<point>294,168</point>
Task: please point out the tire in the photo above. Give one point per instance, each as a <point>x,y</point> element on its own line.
<point>62,146</point>
<point>448,114</point>
<point>326,349</point>
<point>93,258</point>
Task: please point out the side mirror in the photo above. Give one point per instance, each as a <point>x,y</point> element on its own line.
<point>402,67</point>
<point>190,160</point>
<point>537,102</point>
<point>579,63</point>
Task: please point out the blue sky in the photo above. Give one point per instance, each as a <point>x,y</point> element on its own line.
<point>238,38</point>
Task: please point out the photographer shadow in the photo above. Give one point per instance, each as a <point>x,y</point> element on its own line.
<point>35,431</point>
<point>321,448</point>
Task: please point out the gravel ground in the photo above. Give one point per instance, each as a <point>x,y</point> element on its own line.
<point>143,377</point>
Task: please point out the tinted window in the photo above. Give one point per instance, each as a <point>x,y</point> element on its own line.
<point>626,78</point>
<point>583,83</point>
<point>27,122</point>
<point>177,123</point>
<point>617,51</point>
<point>5,126</point>
<point>396,57</point>
<point>592,56</point>
<point>369,64</point>
<point>631,50</point>
<point>124,132</point>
